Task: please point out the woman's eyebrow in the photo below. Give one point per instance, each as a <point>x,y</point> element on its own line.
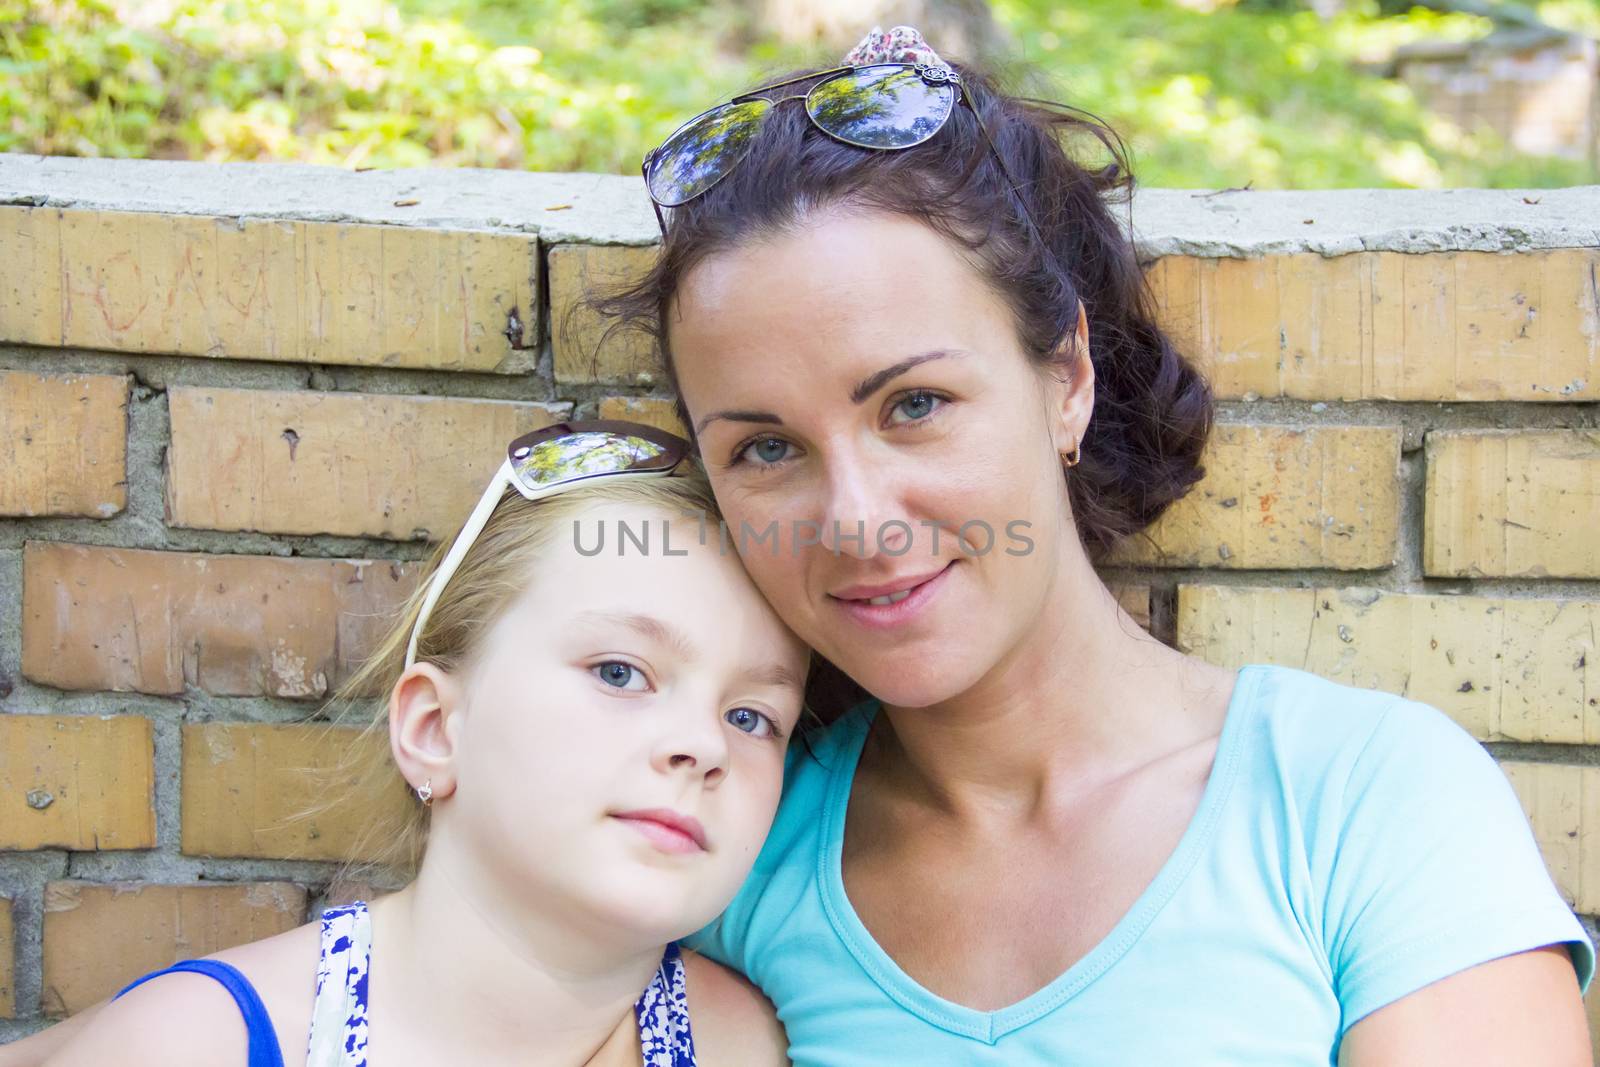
<point>873,382</point>
<point>869,385</point>
<point>737,416</point>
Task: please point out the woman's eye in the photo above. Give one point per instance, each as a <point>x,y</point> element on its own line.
<point>751,722</point>
<point>765,451</point>
<point>915,406</point>
<point>621,675</point>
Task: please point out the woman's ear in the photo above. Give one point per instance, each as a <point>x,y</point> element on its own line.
<point>422,734</point>
<point>1072,399</point>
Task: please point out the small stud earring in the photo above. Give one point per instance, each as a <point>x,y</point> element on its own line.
<point>425,793</point>
<point>1070,459</point>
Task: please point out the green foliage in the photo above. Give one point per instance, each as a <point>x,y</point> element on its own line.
<point>352,82</point>
<point>1274,98</point>
<point>1263,92</point>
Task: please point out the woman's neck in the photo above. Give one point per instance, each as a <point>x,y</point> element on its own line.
<point>461,976</point>
<point>1088,696</point>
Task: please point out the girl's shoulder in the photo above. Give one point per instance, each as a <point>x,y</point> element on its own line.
<point>185,1018</point>
<point>733,1023</point>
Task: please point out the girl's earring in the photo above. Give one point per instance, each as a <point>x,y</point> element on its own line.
<point>425,793</point>
<point>1070,459</point>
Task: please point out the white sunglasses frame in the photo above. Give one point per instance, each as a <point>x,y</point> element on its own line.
<point>506,478</point>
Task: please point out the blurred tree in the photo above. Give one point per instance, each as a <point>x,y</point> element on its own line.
<point>965,29</point>
<point>1208,93</point>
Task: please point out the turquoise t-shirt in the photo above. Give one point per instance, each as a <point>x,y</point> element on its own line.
<point>1349,848</point>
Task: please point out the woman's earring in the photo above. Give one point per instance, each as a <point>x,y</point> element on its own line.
<point>425,793</point>
<point>1070,459</point>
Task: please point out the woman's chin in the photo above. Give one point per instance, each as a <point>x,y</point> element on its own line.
<point>920,685</point>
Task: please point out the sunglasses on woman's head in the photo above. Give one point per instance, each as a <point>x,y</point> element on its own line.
<point>883,106</point>
<point>548,461</point>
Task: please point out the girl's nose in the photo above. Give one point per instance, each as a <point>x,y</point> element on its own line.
<point>695,744</point>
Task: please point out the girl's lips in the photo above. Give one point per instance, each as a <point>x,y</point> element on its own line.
<point>887,616</point>
<point>666,830</point>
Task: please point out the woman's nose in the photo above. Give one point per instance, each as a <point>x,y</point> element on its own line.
<point>860,518</point>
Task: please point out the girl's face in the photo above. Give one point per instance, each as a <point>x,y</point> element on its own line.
<point>858,384</point>
<point>622,749</point>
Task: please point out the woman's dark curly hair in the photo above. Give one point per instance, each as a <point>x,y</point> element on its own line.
<point>1153,410</point>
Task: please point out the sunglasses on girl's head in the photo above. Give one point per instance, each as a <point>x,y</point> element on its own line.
<point>548,461</point>
<point>882,105</point>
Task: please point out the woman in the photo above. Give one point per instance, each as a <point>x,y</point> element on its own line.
<point>895,324</point>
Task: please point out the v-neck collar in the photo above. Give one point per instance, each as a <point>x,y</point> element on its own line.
<point>990,1026</point>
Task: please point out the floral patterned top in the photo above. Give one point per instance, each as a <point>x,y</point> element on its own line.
<point>339,1016</point>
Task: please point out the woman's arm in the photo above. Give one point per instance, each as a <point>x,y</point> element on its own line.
<point>1518,1009</point>
<point>734,1025</point>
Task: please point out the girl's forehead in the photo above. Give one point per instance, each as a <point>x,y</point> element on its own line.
<point>625,554</point>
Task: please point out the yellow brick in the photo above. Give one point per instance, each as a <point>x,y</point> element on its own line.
<point>1389,325</point>
<point>1134,599</point>
<point>8,960</point>
<point>582,352</point>
<point>1591,1005</point>
<point>335,463</point>
<point>232,625</point>
<point>1513,504</point>
<point>317,292</point>
<point>77,782</point>
<point>285,792</point>
<point>97,938</point>
<point>30,276</point>
<point>1506,669</point>
<point>67,444</point>
<point>1277,497</point>
<point>1563,804</point>
<point>650,410</point>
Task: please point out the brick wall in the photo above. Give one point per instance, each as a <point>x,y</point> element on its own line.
<point>238,400</point>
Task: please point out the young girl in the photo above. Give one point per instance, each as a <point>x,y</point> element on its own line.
<point>597,744</point>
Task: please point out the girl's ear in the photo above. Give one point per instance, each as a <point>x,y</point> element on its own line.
<point>1072,399</point>
<point>421,707</point>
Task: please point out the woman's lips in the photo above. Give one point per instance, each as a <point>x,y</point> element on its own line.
<point>897,602</point>
<point>666,829</point>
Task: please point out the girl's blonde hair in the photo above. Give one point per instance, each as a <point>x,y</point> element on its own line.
<point>499,566</point>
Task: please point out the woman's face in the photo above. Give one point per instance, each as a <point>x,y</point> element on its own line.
<point>622,749</point>
<point>858,386</point>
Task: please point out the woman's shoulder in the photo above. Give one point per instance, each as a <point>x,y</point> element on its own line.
<point>1315,724</point>
<point>733,1023</point>
<point>185,1018</point>
<point>820,753</point>
<point>1331,750</point>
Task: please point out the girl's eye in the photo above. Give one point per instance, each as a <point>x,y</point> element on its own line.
<point>620,675</point>
<point>752,722</point>
<point>764,451</point>
<point>915,406</point>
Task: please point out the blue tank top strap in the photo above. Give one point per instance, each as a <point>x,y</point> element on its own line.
<point>263,1038</point>
<point>662,1011</point>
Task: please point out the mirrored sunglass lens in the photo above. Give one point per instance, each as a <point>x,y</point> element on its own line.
<point>881,107</point>
<point>583,455</point>
<point>694,158</point>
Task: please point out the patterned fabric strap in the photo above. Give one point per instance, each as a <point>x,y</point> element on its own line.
<point>663,1014</point>
<point>339,1015</point>
<point>903,44</point>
